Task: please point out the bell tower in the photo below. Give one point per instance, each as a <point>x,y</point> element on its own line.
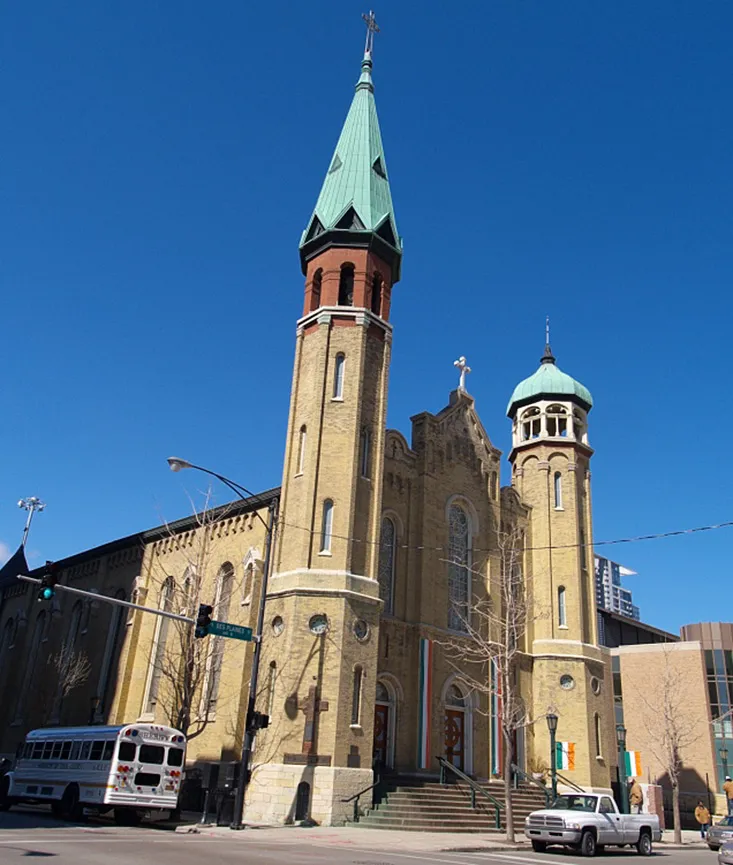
<point>550,459</point>
<point>323,599</point>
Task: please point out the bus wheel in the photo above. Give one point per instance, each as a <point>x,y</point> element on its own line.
<point>127,817</point>
<point>71,808</point>
<point>5,802</point>
<point>57,808</point>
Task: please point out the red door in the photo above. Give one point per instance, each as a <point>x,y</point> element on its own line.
<point>455,737</point>
<point>381,727</point>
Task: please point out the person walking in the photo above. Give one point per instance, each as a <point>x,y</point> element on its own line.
<point>728,788</point>
<point>702,815</point>
<point>636,797</point>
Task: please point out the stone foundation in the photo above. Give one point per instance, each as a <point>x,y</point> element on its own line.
<point>273,791</point>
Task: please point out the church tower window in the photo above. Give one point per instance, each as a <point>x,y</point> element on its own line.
<point>271,688</point>
<point>558,491</point>
<point>327,526</point>
<point>302,438</point>
<point>387,564</point>
<point>346,285</point>
<point>598,735</point>
<point>356,697</point>
<point>338,376</point>
<point>316,289</point>
<point>377,294</point>
<point>562,616</point>
<point>366,445</point>
<point>557,421</point>
<point>459,554</point>
<point>531,424</point>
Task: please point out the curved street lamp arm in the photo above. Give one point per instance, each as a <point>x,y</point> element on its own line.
<point>238,489</point>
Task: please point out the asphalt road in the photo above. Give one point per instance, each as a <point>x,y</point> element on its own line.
<point>34,835</point>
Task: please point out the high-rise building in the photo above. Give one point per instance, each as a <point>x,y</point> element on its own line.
<point>610,594</point>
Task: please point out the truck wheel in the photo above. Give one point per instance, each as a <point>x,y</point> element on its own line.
<point>539,846</point>
<point>587,843</point>
<point>644,844</point>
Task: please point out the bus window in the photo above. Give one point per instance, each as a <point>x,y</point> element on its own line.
<point>127,752</point>
<point>47,748</point>
<point>37,750</point>
<point>109,749</point>
<point>147,779</point>
<point>84,753</point>
<point>152,754</point>
<point>75,748</point>
<point>97,750</point>
<point>175,756</point>
<point>65,750</point>
<point>28,750</point>
<point>56,752</point>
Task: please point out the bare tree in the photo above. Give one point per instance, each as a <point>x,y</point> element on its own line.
<point>185,671</point>
<point>672,727</point>
<point>488,659</point>
<point>73,669</point>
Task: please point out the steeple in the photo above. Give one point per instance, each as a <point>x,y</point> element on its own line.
<point>354,207</point>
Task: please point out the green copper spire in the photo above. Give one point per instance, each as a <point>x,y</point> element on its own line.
<point>355,204</point>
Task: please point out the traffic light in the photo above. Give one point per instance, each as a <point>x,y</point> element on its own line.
<point>259,721</point>
<point>48,583</point>
<point>203,621</point>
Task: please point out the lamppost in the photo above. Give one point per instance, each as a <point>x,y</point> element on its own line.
<point>552,727</point>
<point>30,504</point>
<point>176,464</point>
<point>724,760</point>
<point>621,739</point>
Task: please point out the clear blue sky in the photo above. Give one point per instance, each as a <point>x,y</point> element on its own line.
<point>160,161</point>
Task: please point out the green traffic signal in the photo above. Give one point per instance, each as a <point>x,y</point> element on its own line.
<point>47,594</point>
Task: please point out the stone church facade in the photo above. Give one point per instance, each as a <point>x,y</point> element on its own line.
<point>382,548</point>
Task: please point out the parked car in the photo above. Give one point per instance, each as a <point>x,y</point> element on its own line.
<point>720,832</point>
<point>725,854</point>
<point>588,822</point>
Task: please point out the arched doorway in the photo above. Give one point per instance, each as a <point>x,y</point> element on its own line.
<point>385,713</point>
<point>457,732</point>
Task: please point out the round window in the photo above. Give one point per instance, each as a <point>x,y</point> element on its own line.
<point>318,624</point>
<point>567,682</point>
<point>595,685</point>
<point>361,630</point>
<point>278,625</point>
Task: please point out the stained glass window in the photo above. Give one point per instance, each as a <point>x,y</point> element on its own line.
<point>459,554</point>
<point>387,563</point>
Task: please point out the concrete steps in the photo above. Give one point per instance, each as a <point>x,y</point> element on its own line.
<point>432,807</point>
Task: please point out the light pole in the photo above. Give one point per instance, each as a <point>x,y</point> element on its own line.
<point>724,760</point>
<point>552,727</point>
<point>621,739</point>
<point>30,504</point>
<point>176,464</point>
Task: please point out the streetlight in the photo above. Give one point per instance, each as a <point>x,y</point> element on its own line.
<point>176,464</point>
<point>552,727</point>
<point>30,504</point>
<point>621,739</point>
<point>724,759</point>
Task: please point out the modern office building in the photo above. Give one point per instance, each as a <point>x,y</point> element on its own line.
<point>610,594</point>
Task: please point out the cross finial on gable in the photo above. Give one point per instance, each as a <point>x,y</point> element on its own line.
<point>464,368</point>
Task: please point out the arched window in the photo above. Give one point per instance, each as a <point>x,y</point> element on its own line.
<point>387,550</point>
<point>598,734</point>
<point>338,376</point>
<point>494,485</point>
<point>74,625</point>
<point>531,424</point>
<point>8,640</point>
<point>248,583</point>
<point>562,617</point>
<point>557,421</point>
<point>109,659</point>
<point>459,555</point>
<point>39,634</point>
<point>327,526</point>
<point>302,438</point>
<point>356,697</point>
<point>366,445</point>
<point>558,490</point>
<point>316,289</point>
<point>222,602</point>
<point>158,651</point>
<point>377,294</point>
<point>455,698</point>
<point>271,688</point>
<point>346,285</point>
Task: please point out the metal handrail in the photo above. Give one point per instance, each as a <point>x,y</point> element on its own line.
<point>518,773</point>
<point>569,783</point>
<point>355,798</point>
<point>445,764</point>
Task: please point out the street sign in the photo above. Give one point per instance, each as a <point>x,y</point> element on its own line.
<point>235,632</point>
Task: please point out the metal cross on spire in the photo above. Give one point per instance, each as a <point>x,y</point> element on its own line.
<point>547,330</point>
<point>547,356</point>
<point>372,28</point>
<point>464,368</point>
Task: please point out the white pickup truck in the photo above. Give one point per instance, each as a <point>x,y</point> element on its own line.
<point>588,822</point>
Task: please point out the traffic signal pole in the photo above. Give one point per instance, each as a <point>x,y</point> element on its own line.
<point>58,587</point>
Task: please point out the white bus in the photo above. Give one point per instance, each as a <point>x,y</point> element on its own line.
<point>131,769</point>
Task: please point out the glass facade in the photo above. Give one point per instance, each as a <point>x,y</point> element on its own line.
<point>719,673</point>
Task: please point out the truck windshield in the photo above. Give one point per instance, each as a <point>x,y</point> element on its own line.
<point>575,803</point>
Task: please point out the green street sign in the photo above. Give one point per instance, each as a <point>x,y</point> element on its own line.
<point>235,632</point>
